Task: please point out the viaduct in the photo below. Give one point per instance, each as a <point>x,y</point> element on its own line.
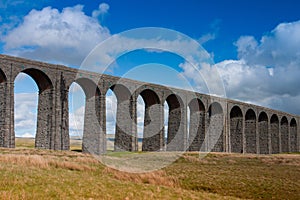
<point>215,124</point>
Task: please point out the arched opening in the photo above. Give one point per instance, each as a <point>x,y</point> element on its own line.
<point>236,130</point>
<point>215,128</point>
<point>111,114</point>
<point>140,121</point>
<point>41,79</point>
<point>196,124</point>
<point>25,106</point>
<point>284,134</point>
<point>76,103</point>
<point>274,128</point>
<point>2,107</point>
<point>293,138</point>
<point>250,131</point>
<point>166,123</point>
<point>125,138</point>
<point>153,116</point>
<point>263,133</point>
<point>175,136</point>
<point>33,110</point>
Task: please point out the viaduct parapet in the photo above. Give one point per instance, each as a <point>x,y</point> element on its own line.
<point>215,124</point>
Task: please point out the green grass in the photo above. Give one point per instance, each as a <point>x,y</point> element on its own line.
<point>243,176</point>
<point>25,143</point>
<point>27,173</point>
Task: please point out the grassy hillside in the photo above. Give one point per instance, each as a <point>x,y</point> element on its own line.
<point>27,173</point>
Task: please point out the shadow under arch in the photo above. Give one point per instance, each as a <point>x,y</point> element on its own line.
<point>196,124</point>
<point>236,130</point>
<point>284,134</point>
<point>250,131</point>
<point>89,87</point>
<point>215,131</point>
<point>263,132</point>
<point>2,77</point>
<point>93,136</point>
<point>3,92</point>
<point>274,129</point>
<point>293,135</point>
<point>45,137</point>
<point>42,80</point>
<point>152,135</point>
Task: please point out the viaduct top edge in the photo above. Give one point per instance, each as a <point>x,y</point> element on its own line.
<point>10,58</point>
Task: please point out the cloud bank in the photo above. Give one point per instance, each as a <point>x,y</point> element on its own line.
<point>50,35</point>
<point>267,71</point>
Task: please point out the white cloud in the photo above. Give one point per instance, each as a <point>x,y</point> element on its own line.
<point>140,115</point>
<point>270,87</point>
<point>28,135</point>
<point>25,113</point>
<point>246,45</point>
<point>103,9</point>
<point>54,36</point>
<point>268,71</point>
<point>280,47</point>
<point>76,122</point>
<point>207,37</point>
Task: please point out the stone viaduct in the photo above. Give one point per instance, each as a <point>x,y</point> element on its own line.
<point>215,124</point>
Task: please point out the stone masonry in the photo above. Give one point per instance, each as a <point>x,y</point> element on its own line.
<point>215,124</point>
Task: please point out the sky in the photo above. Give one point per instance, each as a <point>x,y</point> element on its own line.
<point>254,46</point>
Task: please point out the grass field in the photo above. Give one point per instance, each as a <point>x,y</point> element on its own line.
<point>27,173</point>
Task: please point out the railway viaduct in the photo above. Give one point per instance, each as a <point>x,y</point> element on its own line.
<point>215,124</point>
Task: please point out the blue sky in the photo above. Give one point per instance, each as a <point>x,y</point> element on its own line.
<point>255,45</point>
<point>225,20</point>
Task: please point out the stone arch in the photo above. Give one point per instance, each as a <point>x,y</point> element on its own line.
<point>124,136</point>
<point>293,135</point>
<point>152,135</point>
<point>196,125</point>
<point>92,129</point>
<point>41,79</point>
<point>121,91</point>
<point>175,136</point>
<point>89,87</point>
<point>284,134</point>
<point>274,129</point>
<point>215,128</point>
<point>250,131</point>
<point>44,138</point>
<point>236,130</point>
<point>263,126</point>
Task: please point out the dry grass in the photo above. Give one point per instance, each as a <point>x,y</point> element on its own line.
<point>27,173</point>
<point>243,176</point>
<point>155,178</point>
<point>45,174</point>
<point>45,161</point>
